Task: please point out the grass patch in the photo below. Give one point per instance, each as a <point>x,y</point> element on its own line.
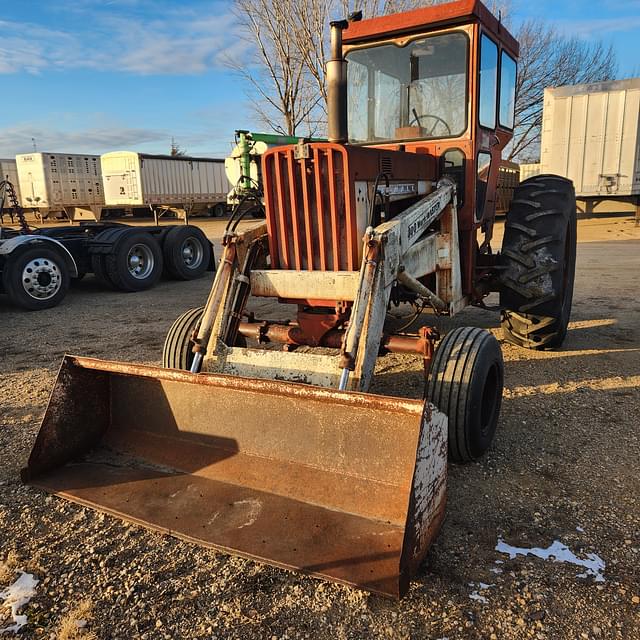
<point>72,625</point>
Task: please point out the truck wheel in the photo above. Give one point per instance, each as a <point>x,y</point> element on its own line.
<point>136,261</point>
<point>176,352</point>
<point>186,252</point>
<point>36,278</point>
<point>539,259</point>
<point>465,381</point>
<point>98,260</point>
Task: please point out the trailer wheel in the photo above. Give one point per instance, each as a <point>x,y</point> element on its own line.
<point>539,257</point>
<point>219,210</point>
<point>465,382</point>
<point>136,261</point>
<point>176,352</point>
<point>36,278</point>
<point>187,252</point>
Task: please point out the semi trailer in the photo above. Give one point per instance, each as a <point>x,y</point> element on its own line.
<point>181,184</point>
<point>591,135</point>
<point>61,185</point>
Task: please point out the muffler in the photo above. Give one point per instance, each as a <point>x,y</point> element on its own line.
<point>347,486</point>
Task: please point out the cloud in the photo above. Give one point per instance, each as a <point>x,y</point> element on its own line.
<point>185,42</point>
<point>599,27</point>
<point>19,139</point>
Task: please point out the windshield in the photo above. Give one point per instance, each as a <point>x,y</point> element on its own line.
<point>416,91</point>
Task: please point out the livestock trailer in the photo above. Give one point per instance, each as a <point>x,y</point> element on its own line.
<point>61,184</point>
<point>591,135</point>
<point>180,184</point>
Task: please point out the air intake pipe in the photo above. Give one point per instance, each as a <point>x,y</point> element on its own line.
<point>337,86</point>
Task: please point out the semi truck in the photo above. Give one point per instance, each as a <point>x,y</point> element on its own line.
<point>37,265</point>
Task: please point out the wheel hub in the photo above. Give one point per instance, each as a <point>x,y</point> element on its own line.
<point>192,253</point>
<point>41,278</point>
<point>140,261</point>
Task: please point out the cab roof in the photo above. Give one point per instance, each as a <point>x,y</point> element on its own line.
<point>452,13</point>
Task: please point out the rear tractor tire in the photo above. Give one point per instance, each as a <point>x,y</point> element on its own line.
<point>465,382</point>
<point>539,257</point>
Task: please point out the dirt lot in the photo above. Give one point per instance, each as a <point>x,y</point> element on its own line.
<point>564,468</point>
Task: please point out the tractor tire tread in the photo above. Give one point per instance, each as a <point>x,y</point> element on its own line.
<point>449,383</point>
<point>535,292</point>
<point>176,349</point>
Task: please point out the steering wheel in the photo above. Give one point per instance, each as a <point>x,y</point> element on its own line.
<point>417,118</point>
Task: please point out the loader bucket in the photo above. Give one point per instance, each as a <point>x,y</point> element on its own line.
<point>347,486</point>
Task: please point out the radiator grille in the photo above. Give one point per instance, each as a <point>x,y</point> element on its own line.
<point>386,165</point>
<point>310,216</point>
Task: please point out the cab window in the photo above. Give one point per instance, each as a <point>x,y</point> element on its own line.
<point>488,82</point>
<point>507,90</point>
<point>482,179</point>
<point>417,91</point>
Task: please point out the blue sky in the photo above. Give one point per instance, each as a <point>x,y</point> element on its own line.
<point>92,76</point>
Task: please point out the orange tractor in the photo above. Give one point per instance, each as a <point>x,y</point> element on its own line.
<point>258,437</point>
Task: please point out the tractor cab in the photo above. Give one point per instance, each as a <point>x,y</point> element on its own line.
<point>438,80</point>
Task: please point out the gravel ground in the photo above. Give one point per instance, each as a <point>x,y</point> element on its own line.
<point>564,467</point>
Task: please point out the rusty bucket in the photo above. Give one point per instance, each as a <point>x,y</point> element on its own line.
<point>347,486</point>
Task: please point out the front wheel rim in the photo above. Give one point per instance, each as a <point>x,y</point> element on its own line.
<point>41,278</point>
<point>140,261</point>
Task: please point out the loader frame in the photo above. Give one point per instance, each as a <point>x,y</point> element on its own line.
<point>396,251</point>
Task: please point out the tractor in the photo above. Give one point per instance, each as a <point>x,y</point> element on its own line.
<point>258,436</point>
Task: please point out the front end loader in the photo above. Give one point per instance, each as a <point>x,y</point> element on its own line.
<point>259,436</point>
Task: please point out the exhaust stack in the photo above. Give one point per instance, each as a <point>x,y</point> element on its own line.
<point>337,86</point>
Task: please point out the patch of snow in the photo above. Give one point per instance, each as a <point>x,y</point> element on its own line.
<point>495,570</point>
<point>17,596</point>
<point>558,552</point>
<point>476,596</point>
<point>579,529</point>
<point>480,586</point>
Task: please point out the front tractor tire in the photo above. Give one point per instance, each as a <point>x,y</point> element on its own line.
<point>465,382</point>
<point>177,350</point>
<point>538,259</point>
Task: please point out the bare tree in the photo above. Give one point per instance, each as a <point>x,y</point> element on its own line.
<point>277,72</point>
<point>548,59</point>
<point>176,149</point>
<point>289,39</point>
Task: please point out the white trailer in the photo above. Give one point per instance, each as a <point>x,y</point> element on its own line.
<point>591,135</point>
<point>9,171</point>
<point>62,184</point>
<point>180,184</point>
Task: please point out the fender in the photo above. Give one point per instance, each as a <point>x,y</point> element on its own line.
<point>10,245</point>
